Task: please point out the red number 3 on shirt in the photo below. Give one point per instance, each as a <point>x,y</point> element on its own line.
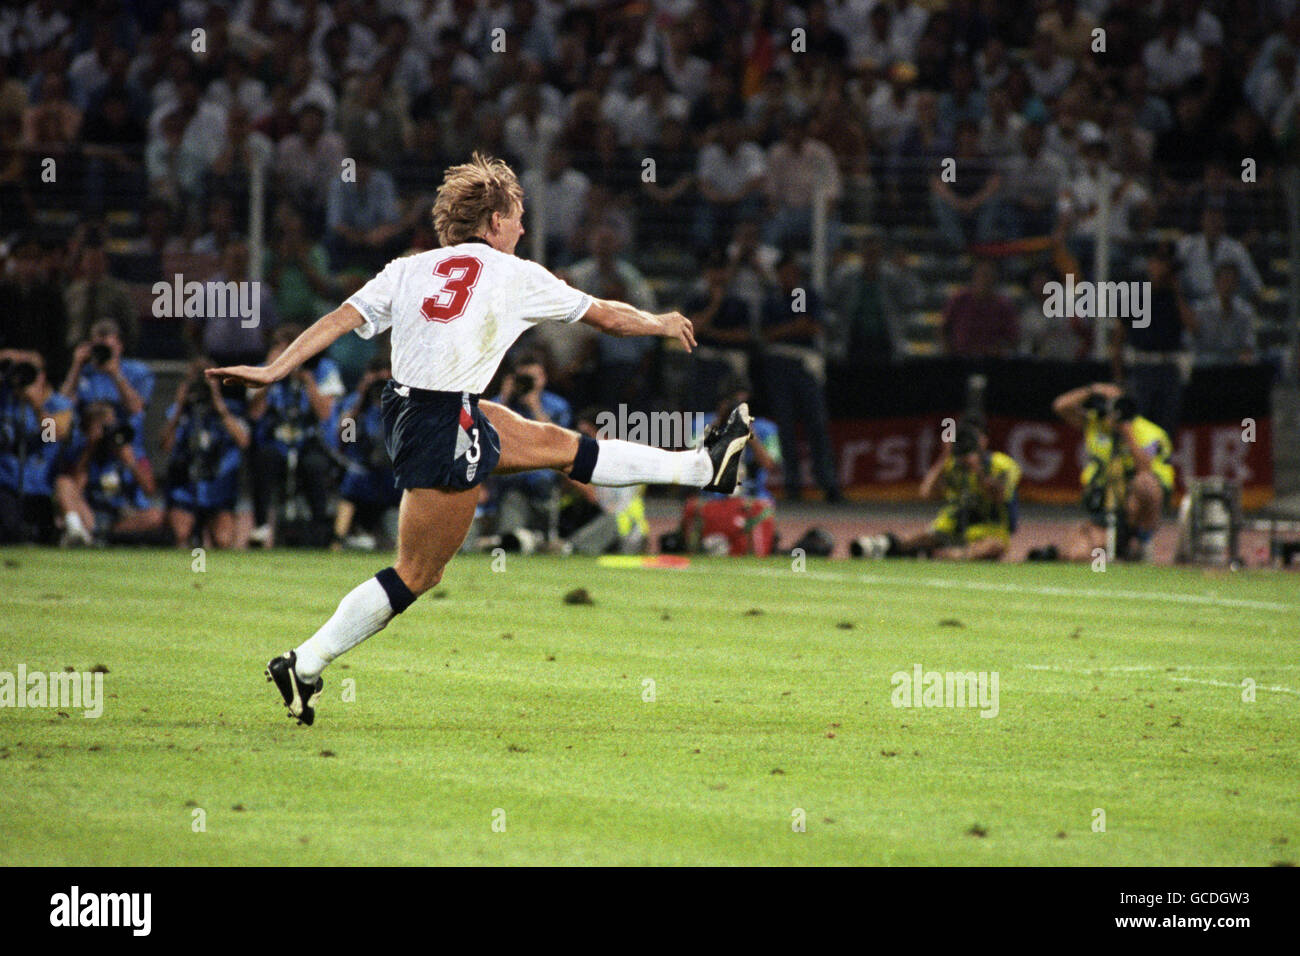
<point>461,272</point>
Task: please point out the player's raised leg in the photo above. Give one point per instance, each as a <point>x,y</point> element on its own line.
<point>527,445</point>
<point>432,523</point>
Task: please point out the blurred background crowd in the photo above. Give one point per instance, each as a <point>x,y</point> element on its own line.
<point>852,183</point>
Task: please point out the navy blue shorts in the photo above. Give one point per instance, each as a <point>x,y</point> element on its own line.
<point>437,439</point>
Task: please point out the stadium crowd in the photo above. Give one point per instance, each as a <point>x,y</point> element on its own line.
<point>674,153</point>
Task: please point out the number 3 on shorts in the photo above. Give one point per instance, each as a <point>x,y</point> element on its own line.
<point>461,272</point>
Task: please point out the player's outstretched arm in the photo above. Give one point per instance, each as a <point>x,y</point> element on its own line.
<point>319,336</point>
<point>619,318</point>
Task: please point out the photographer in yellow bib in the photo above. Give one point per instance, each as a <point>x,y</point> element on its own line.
<point>1128,478</point>
<point>978,487</point>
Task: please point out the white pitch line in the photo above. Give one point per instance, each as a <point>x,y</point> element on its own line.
<point>1174,598</point>
<point>1124,669</point>
<point>1220,683</point>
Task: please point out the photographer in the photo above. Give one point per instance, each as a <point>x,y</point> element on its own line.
<point>205,435</point>
<point>107,487</point>
<point>529,500</point>
<point>289,445</point>
<point>1128,479</point>
<point>35,424</point>
<point>368,488</point>
<point>980,504</point>
<point>99,373</point>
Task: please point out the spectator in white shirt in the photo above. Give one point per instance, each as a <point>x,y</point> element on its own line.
<point>639,126</point>
<point>1275,84</point>
<point>892,107</point>
<point>1080,205</point>
<point>310,159</point>
<point>1201,254</point>
<point>529,132</point>
<point>88,72</point>
<point>1224,332</point>
<point>907,22</point>
<point>686,73</point>
<point>305,87</point>
<point>730,173</point>
<point>43,25</point>
<point>1033,180</point>
<point>1049,72</point>
<point>1205,28</point>
<point>797,168</point>
<point>560,192</point>
<point>876,44</point>
<point>1172,58</point>
<point>235,86</point>
<point>1062,134</point>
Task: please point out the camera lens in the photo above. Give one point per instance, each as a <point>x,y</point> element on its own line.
<point>22,374</point>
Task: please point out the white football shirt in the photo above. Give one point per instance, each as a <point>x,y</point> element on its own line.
<point>455,311</point>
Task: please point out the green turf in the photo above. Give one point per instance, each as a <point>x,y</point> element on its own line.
<point>1116,693</point>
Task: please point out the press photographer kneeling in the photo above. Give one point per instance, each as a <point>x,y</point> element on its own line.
<point>35,422</point>
<point>107,486</point>
<point>205,435</point>
<point>1128,480</point>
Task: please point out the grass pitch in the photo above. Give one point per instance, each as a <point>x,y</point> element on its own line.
<point>497,702</point>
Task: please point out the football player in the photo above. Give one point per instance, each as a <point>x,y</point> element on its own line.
<point>453,312</point>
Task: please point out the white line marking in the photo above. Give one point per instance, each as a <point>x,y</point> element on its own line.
<point>1220,683</point>
<point>1174,677</point>
<point>1174,598</point>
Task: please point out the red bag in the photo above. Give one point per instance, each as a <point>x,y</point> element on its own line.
<point>748,524</point>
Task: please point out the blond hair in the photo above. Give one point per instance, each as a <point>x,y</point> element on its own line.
<point>470,193</point>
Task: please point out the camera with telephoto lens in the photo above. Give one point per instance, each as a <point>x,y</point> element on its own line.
<point>1122,408</point>
<point>967,441</point>
<point>18,374</point>
<point>120,435</point>
<point>198,397</point>
<point>1097,403</point>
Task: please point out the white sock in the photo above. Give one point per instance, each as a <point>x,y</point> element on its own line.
<point>628,463</point>
<point>363,612</point>
<point>72,521</point>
